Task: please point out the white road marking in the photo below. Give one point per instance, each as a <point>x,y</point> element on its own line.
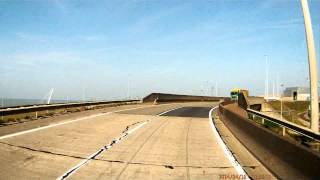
<point>87,160</point>
<point>231,158</point>
<point>67,122</point>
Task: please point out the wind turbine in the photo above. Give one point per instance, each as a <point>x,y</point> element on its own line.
<point>50,95</point>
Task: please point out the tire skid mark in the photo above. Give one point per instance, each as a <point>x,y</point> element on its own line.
<point>141,146</point>
<point>135,154</point>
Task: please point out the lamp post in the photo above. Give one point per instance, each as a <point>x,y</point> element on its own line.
<point>128,87</point>
<point>281,106</point>
<point>312,68</point>
<point>267,79</point>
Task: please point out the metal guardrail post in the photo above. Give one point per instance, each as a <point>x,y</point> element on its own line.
<point>262,121</point>
<point>287,125</point>
<point>283,131</point>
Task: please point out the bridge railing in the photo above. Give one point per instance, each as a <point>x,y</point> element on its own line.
<point>284,124</point>
<point>293,156</point>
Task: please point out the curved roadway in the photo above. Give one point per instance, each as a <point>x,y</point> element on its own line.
<point>172,141</point>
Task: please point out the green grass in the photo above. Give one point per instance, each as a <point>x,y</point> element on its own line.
<point>48,113</point>
<point>291,109</point>
<point>297,106</point>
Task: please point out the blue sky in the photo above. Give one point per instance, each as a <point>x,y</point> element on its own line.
<point>96,47</point>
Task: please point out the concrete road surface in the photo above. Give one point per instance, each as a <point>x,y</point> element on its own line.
<point>118,144</point>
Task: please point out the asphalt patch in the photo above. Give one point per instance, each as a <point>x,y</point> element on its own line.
<point>196,112</point>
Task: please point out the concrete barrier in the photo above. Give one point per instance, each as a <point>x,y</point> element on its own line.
<point>282,156</point>
<point>162,97</point>
<point>251,102</point>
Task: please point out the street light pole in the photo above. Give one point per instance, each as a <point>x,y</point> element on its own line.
<point>281,106</point>
<point>128,87</point>
<point>267,79</point>
<point>312,67</point>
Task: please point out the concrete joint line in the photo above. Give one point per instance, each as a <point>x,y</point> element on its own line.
<point>170,166</point>
<point>226,150</point>
<point>124,134</point>
<point>41,151</point>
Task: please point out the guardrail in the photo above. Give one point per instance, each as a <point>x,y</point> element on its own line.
<point>30,108</point>
<point>283,156</point>
<point>285,124</point>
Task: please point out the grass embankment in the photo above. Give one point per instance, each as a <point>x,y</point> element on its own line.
<point>291,112</point>
<point>290,109</point>
<point>24,117</point>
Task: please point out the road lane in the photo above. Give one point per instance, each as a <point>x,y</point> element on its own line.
<point>167,147</point>
<point>77,140</point>
<point>72,142</point>
<point>49,122</point>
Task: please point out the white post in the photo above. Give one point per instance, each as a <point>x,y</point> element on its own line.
<point>312,68</point>
<point>277,83</point>
<point>273,89</point>
<point>283,131</point>
<point>281,107</point>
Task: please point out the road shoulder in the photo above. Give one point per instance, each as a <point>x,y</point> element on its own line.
<point>248,162</point>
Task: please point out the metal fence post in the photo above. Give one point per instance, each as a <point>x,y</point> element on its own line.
<point>283,131</point>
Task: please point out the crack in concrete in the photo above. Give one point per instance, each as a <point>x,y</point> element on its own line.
<point>170,166</point>
<point>93,156</point>
<point>117,161</point>
<point>41,151</point>
<point>124,134</point>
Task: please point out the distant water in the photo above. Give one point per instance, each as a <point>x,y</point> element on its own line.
<point>9,102</point>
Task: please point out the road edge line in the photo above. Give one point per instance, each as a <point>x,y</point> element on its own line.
<point>226,150</point>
